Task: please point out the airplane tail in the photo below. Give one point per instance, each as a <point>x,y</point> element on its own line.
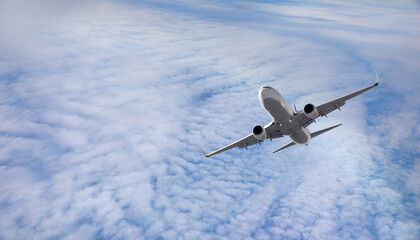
<point>315,134</point>
<point>284,147</point>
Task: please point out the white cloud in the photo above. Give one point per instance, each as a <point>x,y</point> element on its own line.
<point>103,107</point>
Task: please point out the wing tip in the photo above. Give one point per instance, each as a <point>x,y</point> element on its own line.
<point>204,153</point>
<point>377,80</point>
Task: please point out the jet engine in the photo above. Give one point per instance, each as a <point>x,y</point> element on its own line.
<point>310,111</point>
<point>259,133</point>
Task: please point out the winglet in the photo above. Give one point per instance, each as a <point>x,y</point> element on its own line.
<point>203,153</point>
<point>377,80</point>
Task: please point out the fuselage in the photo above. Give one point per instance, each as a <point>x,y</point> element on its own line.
<point>282,114</point>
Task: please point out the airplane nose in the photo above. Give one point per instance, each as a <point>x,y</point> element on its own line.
<point>265,90</point>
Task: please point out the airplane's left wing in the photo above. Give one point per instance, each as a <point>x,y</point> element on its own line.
<point>244,142</point>
<point>273,131</point>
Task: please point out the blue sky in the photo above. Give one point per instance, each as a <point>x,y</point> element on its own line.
<point>104,106</point>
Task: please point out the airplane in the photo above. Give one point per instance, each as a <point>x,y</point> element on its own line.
<point>287,121</point>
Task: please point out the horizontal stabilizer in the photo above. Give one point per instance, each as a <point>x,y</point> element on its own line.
<point>288,145</point>
<point>316,134</point>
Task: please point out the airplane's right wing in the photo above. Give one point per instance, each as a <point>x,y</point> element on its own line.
<point>273,131</point>
<point>328,107</point>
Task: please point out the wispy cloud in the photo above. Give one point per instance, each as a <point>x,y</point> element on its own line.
<point>104,105</point>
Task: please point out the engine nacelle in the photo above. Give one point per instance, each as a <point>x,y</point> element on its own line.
<point>259,133</point>
<point>310,111</point>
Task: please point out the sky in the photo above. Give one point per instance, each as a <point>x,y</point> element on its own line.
<point>104,106</point>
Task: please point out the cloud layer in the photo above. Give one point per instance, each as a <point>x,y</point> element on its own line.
<point>104,106</point>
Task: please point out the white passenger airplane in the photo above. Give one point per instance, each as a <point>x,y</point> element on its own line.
<point>289,122</point>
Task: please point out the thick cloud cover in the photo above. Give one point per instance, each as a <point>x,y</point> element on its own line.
<point>104,106</point>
